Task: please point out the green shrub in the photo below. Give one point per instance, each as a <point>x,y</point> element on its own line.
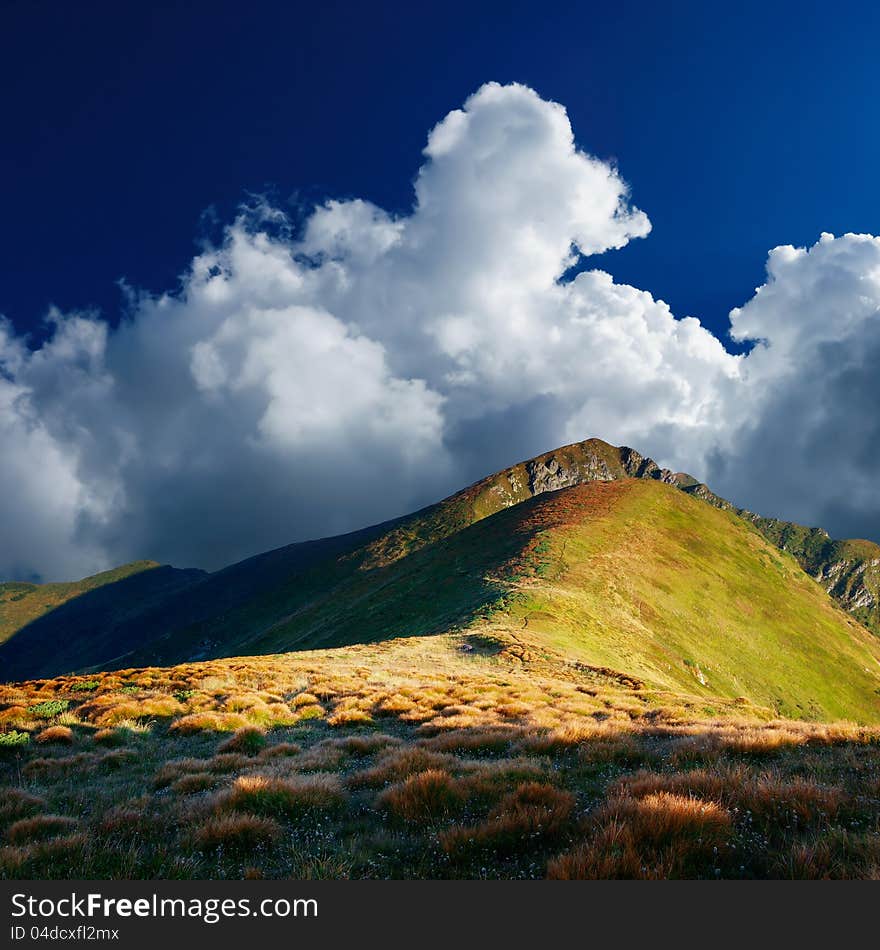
<point>14,739</point>
<point>87,686</point>
<point>50,708</point>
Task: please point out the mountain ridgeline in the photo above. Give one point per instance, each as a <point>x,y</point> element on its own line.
<point>590,553</point>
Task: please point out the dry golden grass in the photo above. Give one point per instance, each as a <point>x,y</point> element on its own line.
<point>171,771</point>
<point>44,767</point>
<point>127,817</point>
<point>422,797</point>
<point>662,817</point>
<point>659,836</point>
<point>45,859</point>
<point>109,737</point>
<point>208,722</point>
<point>305,699</point>
<point>397,764</point>
<point>55,735</point>
<point>196,782</point>
<point>661,780</point>
<point>292,798</point>
<point>532,811</point>
<point>764,796</point>
<point>484,739</point>
<point>26,830</point>
<point>226,762</point>
<point>322,757</point>
<point>280,749</point>
<point>237,832</point>
<point>367,744</point>
<point>16,803</point>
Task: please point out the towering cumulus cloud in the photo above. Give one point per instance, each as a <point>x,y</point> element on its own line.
<point>310,377</point>
<point>809,448</point>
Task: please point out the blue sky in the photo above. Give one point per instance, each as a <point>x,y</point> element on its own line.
<point>737,129</point>
<point>387,323</point>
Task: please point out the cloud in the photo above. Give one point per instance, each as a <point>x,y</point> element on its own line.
<point>808,448</point>
<point>311,377</point>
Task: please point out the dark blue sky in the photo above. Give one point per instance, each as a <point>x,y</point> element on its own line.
<point>126,126</point>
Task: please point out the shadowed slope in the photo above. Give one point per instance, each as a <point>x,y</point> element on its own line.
<point>52,627</point>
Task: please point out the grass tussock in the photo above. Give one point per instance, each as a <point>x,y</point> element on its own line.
<point>55,735</point>
<point>39,828</point>
<point>16,803</point>
<point>291,798</point>
<point>248,740</point>
<point>191,784</point>
<point>765,798</point>
<point>243,832</point>
<point>533,812</point>
<point>48,859</point>
<point>280,750</point>
<point>208,722</point>
<point>659,836</point>
<point>488,762</point>
<point>425,796</point>
<point>399,763</point>
<point>110,737</point>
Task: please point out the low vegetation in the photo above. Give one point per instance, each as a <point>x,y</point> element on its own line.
<point>346,763</point>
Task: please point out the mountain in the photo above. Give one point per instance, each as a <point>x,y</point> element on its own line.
<point>70,624</point>
<point>584,666</point>
<point>592,553</point>
<point>848,570</point>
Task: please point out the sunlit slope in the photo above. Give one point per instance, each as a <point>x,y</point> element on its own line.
<point>654,583</point>
<point>634,576</point>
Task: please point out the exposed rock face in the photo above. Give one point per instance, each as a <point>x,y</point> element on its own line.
<point>549,474</point>
<point>638,466</point>
<point>855,584</point>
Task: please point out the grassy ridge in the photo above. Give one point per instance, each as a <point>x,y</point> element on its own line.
<point>455,562</point>
<point>630,575</point>
<point>22,603</point>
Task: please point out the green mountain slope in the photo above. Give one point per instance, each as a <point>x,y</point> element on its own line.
<point>725,612</point>
<point>23,603</point>
<point>630,576</point>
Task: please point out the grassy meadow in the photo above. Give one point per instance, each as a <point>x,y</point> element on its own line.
<point>456,756</point>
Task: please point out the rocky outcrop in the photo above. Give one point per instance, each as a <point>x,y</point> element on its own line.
<point>639,466</point>
<point>549,474</point>
<point>854,582</point>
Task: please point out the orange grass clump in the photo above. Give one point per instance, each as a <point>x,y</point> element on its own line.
<point>16,803</point>
<point>534,810</point>
<point>237,832</point>
<point>422,797</point>
<point>291,798</point>
<point>248,740</point>
<point>55,735</point>
<point>38,828</point>
<point>659,836</point>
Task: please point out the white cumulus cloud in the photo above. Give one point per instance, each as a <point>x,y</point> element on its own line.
<point>311,377</point>
<point>808,447</point>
